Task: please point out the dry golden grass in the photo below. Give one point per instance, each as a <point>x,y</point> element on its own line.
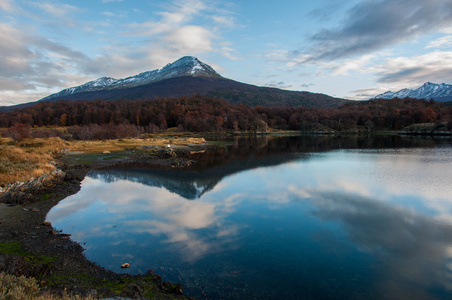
<point>118,145</point>
<point>33,157</point>
<point>18,288</point>
<point>29,158</point>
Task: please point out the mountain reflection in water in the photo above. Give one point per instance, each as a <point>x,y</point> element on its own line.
<point>283,218</point>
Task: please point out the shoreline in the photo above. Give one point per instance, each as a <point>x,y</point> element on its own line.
<point>31,247</point>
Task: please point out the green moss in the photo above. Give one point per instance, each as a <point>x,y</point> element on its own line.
<point>45,197</point>
<point>220,143</point>
<point>15,248</point>
<point>149,295</point>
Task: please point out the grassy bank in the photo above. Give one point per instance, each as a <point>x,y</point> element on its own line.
<point>20,161</point>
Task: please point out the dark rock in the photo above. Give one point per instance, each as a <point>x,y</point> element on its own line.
<point>166,153</point>
<point>173,288</point>
<point>22,192</point>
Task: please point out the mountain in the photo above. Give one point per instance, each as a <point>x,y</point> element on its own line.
<point>438,92</point>
<point>185,77</point>
<point>185,66</point>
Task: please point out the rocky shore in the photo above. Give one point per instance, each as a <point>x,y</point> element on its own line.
<point>32,247</point>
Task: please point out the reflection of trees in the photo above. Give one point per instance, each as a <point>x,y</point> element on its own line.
<point>245,153</point>
<point>262,147</point>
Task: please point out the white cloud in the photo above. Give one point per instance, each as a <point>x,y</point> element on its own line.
<point>8,98</point>
<point>30,61</point>
<point>190,39</point>
<point>174,34</point>
<point>227,52</point>
<point>177,16</point>
<point>108,14</point>
<point>31,64</point>
<point>7,5</point>
<point>434,66</point>
<point>360,64</point>
<point>57,10</point>
<point>443,42</point>
<point>374,25</point>
<point>15,57</point>
<point>183,11</point>
<point>224,21</point>
<point>365,94</point>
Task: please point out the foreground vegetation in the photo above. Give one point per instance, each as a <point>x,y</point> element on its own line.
<point>29,158</point>
<point>21,287</point>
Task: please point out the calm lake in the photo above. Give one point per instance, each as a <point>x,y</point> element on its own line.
<point>279,218</point>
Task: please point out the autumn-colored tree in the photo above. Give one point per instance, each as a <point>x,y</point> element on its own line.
<point>19,131</point>
<point>63,119</point>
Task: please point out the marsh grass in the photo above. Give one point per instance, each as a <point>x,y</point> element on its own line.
<point>19,288</point>
<point>19,161</point>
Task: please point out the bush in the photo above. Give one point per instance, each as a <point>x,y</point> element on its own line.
<point>105,132</point>
<point>12,287</point>
<point>46,133</point>
<point>18,132</point>
<point>19,288</point>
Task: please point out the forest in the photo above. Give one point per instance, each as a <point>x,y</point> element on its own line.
<point>101,119</point>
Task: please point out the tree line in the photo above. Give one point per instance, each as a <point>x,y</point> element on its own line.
<point>101,119</point>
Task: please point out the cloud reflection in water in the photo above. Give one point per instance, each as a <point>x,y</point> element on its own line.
<point>393,206</point>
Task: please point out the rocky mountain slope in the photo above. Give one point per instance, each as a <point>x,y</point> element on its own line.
<point>438,92</point>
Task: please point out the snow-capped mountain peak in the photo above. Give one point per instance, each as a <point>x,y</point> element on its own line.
<point>185,66</point>
<point>188,66</point>
<point>428,91</point>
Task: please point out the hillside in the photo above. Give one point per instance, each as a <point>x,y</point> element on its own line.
<point>185,77</point>
<point>101,119</point>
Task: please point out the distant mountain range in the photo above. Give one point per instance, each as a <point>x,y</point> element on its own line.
<point>185,77</point>
<point>438,92</point>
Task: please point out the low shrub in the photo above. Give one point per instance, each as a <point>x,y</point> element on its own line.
<point>105,132</point>
<point>18,132</point>
<point>12,287</point>
<point>19,288</point>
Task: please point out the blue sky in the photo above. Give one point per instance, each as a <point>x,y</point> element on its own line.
<point>353,49</point>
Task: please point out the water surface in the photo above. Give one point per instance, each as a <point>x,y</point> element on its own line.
<point>287,218</point>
